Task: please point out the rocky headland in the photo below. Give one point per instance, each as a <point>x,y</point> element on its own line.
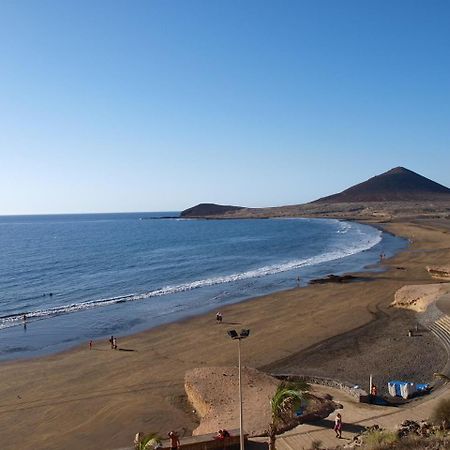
<point>398,194</point>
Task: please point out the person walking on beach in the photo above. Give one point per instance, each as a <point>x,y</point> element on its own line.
<point>174,441</point>
<point>338,425</point>
<point>219,317</point>
<point>91,343</point>
<point>111,341</point>
<point>114,343</point>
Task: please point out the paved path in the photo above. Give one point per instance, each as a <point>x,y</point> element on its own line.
<point>355,416</point>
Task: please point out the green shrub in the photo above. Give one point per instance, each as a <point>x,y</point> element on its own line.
<point>441,413</point>
<point>378,440</point>
<point>381,440</point>
<point>440,434</point>
<point>147,442</point>
<point>420,443</point>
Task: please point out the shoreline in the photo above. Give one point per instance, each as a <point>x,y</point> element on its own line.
<point>107,396</point>
<point>365,260</point>
<point>79,347</point>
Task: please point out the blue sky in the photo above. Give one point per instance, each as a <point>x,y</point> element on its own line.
<point>159,105</point>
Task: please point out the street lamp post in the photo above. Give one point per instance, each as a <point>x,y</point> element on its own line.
<point>238,337</point>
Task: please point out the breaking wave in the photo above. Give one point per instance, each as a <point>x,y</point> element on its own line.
<point>16,319</point>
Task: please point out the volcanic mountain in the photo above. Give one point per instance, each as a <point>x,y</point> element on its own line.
<point>396,185</point>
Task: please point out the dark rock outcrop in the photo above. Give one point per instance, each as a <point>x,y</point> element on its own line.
<point>440,272</point>
<point>334,279</point>
<point>208,209</point>
<point>396,185</point>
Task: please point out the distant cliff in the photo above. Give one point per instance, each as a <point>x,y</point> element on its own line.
<point>208,209</point>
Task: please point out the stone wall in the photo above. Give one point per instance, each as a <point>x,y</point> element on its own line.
<point>360,395</point>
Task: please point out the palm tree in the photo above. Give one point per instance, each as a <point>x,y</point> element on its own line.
<point>282,405</point>
<point>149,442</point>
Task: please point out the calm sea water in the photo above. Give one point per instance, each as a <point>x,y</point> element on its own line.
<point>82,277</point>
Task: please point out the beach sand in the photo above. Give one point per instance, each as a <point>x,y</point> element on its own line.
<point>98,399</point>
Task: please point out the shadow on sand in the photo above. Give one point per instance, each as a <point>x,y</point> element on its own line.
<point>349,427</point>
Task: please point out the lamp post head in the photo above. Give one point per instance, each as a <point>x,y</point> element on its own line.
<point>235,335</point>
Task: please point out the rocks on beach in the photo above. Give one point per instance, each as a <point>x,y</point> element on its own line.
<point>419,297</point>
<point>334,279</point>
<point>407,429</point>
<point>440,272</point>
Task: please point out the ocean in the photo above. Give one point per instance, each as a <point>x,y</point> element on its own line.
<point>89,276</point>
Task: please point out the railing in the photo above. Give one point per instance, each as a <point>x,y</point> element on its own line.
<point>208,442</point>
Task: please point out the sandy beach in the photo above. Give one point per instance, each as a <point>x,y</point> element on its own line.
<point>99,398</point>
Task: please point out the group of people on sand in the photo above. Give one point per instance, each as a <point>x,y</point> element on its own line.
<point>112,340</point>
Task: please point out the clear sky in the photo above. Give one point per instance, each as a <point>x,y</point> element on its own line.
<point>159,105</point>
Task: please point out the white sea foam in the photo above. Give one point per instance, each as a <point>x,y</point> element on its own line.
<point>365,243</point>
<point>344,227</point>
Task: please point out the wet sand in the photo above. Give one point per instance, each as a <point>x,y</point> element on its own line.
<point>98,399</point>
